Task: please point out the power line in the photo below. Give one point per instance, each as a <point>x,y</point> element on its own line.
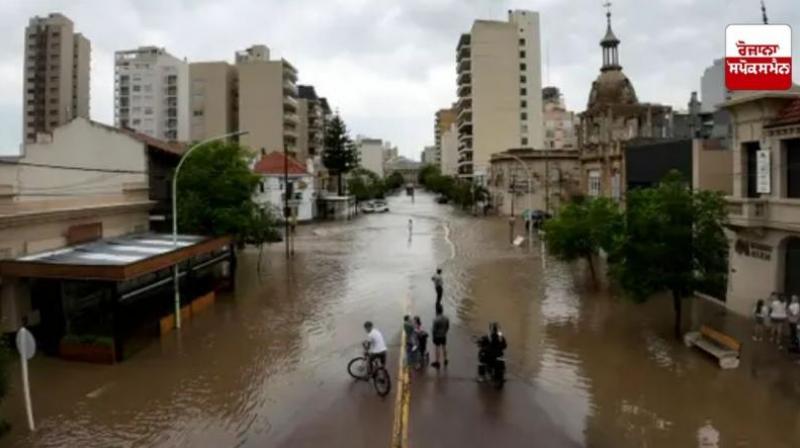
<point>73,168</point>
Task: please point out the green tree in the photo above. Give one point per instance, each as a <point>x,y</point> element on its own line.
<point>262,228</point>
<point>394,181</point>
<point>582,229</point>
<point>215,192</point>
<point>365,184</point>
<point>673,240</point>
<point>340,155</point>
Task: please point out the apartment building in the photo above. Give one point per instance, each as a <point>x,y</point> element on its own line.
<point>56,75</point>
<point>370,153</point>
<point>445,118</point>
<point>430,156</point>
<point>560,124</point>
<point>499,90</point>
<point>311,126</point>
<point>213,101</point>
<point>151,93</point>
<point>268,105</point>
<point>448,149</point>
<point>764,209</point>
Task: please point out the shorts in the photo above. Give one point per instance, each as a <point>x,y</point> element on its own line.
<point>439,341</point>
<point>381,357</point>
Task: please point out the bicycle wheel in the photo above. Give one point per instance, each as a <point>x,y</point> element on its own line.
<point>357,368</point>
<point>381,381</point>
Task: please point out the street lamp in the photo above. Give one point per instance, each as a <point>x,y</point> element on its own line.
<point>175,214</point>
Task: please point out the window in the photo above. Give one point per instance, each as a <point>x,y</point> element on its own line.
<point>522,53</point>
<point>524,128</point>
<point>261,186</point>
<point>523,116</point>
<point>594,183</point>
<point>523,79</point>
<point>750,150</point>
<point>197,113</point>
<point>523,104</point>
<point>148,111</point>
<point>524,141</point>
<point>792,168</point>
<point>522,41</point>
<point>523,67</point>
<point>137,88</point>
<point>147,88</point>
<point>523,91</point>
<point>136,121</point>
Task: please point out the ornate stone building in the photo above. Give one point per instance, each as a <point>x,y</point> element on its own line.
<point>614,116</point>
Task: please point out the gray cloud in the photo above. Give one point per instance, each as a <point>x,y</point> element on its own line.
<point>388,65</point>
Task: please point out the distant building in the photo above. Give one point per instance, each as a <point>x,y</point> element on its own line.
<point>499,84</point>
<point>370,153</point>
<point>268,106</point>
<point>445,118</point>
<point>560,125</point>
<point>408,168</point>
<point>151,93</point>
<point>56,79</point>
<point>712,87</point>
<point>311,126</point>
<point>555,176</point>
<point>614,116</point>
<point>271,190</point>
<point>389,151</point>
<point>213,100</point>
<point>449,151</point>
<point>430,156</point>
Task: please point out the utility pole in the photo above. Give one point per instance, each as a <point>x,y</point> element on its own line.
<point>546,182</point>
<point>286,190</point>
<point>513,217</point>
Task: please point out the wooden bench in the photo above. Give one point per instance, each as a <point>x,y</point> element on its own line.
<point>725,348</point>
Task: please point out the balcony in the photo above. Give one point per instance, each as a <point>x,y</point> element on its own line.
<point>464,65</point>
<point>289,104</point>
<point>290,118</point>
<point>464,91</point>
<point>778,213</point>
<point>289,88</point>
<point>465,79</point>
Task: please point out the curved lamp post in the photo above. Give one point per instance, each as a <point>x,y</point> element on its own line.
<point>175,214</point>
<point>530,195</point>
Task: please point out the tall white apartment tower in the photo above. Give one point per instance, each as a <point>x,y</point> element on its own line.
<point>499,90</point>
<point>151,93</point>
<point>56,75</point>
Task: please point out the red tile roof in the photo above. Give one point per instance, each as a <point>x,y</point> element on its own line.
<point>789,115</point>
<point>175,148</point>
<point>273,163</point>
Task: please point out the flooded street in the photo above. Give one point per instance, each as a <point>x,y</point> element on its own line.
<point>266,366</point>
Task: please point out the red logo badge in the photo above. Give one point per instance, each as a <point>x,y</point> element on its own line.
<point>758,57</point>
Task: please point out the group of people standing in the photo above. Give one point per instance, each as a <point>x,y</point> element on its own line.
<point>417,337</point>
<point>778,316</point>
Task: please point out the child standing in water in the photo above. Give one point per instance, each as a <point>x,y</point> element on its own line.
<point>759,316</point>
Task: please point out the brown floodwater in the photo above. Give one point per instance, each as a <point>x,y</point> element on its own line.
<point>266,365</point>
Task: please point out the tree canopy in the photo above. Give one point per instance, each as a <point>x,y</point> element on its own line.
<point>365,184</point>
<point>673,240</point>
<point>340,155</point>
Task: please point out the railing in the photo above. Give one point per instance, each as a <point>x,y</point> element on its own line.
<point>781,213</point>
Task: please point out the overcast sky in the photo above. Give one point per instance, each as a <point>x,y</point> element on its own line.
<point>388,65</point>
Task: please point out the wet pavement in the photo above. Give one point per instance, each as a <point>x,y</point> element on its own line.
<point>266,365</point>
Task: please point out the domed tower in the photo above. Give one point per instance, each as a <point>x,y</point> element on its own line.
<point>611,86</point>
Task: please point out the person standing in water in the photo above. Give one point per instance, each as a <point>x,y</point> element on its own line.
<point>438,284</point>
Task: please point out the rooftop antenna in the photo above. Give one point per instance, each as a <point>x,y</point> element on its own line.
<point>764,12</point>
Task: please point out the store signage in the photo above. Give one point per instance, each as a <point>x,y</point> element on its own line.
<point>753,249</point>
<point>763,171</point>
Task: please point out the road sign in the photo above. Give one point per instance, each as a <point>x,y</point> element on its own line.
<point>26,345</point>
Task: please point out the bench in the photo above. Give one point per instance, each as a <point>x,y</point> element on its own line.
<point>723,347</point>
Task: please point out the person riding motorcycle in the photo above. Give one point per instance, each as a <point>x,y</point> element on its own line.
<point>490,348</point>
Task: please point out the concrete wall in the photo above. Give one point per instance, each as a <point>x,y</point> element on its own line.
<point>212,99</point>
<point>711,167</point>
<point>495,91</point>
<point>261,104</point>
<point>79,143</point>
<point>370,151</point>
<point>81,70</point>
<point>449,148</point>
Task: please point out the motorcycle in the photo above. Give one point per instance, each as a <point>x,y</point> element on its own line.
<point>491,364</point>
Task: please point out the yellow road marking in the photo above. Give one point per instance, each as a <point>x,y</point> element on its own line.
<point>403,396</point>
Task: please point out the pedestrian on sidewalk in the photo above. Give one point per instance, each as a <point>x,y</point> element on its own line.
<point>441,325</point>
<point>760,316</point>
<point>438,284</point>
<point>777,317</point>
<point>410,227</point>
<point>421,343</point>
<point>793,317</point>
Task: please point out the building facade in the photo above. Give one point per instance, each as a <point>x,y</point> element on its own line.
<point>151,93</point>
<point>449,151</point>
<point>271,191</point>
<point>56,75</point>
<point>764,209</point>
<point>370,154</point>
<point>408,168</point>
<point>712,87</point>
<point>614,116</point>
<point>445,119</point>
<point>560,125</point>
<point>311,128</point>
<point>528,179</point>
<point>213,100</point>
<point>430,156</point>
<point>268,106</point>
<point>499,90</point>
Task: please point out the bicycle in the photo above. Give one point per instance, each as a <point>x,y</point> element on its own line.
<point>365,368</point>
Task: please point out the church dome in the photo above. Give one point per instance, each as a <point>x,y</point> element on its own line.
<point>611,87</point>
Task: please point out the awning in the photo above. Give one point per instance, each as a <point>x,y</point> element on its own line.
<point>113,259</point>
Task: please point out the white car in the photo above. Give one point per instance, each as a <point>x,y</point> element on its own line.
<point>380,206</point>
<point>367,207</point>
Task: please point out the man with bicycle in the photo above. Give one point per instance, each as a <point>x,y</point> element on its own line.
<point>375,345</point>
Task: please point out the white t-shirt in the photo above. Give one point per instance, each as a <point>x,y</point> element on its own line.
<point>778,310</point>
<point>794,312</point>
<point>376,343</point>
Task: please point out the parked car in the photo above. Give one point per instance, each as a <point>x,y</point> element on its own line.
<point>367,207</point>
<point>380,206</point>
<point>442,200</point>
